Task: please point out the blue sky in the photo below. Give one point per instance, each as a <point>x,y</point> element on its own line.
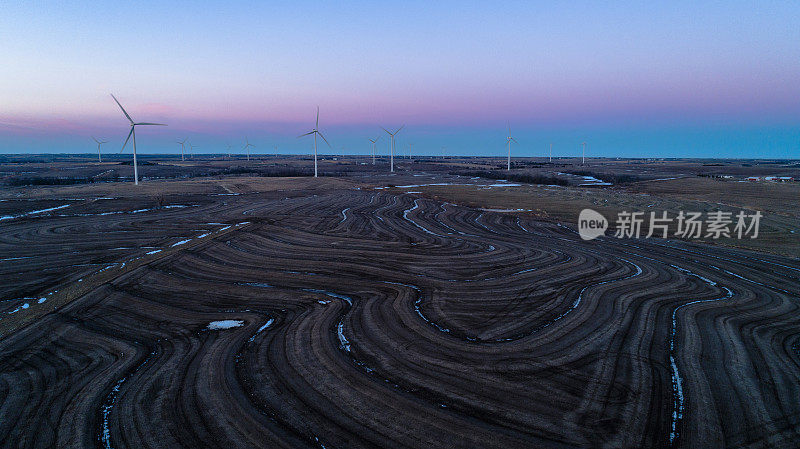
<point>678,79</point>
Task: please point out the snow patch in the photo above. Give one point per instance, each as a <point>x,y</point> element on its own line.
<point>224,324</point>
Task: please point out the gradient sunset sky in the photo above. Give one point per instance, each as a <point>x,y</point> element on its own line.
<point>646,79</point>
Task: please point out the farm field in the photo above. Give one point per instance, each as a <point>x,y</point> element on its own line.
<point>428,308</point>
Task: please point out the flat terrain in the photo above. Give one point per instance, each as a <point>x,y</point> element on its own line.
<point>222,309</point>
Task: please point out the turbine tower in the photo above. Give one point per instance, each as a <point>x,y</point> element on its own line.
<point>509,139</point>
<point>229,150</point>
<point>391,146</point>
<point>182,149</point>
<point>247,148</point>
<point>373,148</point>
<point>316,132</point>
<point>583,155</point>
<point>551,152</point>
<point>99,158</point>
<point>133,133</point>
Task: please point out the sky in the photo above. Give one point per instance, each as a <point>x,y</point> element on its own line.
<point>632,79</point>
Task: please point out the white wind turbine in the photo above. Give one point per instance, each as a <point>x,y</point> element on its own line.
<point>391,146</point>
<point>191,150</point>
<point>315,132</point>
<point>551,152</point>
<point>247,147</point>
<point>509,139</point>
<point>182,144</point>
<point>99,158</point>
<point>583,155</point>
<point>133,133</point>
<point>373,141</point>
<point>229,150</point>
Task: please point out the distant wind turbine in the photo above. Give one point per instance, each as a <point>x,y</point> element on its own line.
<point>229,150</point>
<point>391,146</point>
<point>509,139</point>
<point>373,141</point>
<point>551,152</point>
<point>583,156</point>
<point>191,150</point>
<point>182,149</point>
<point>247,148</point>
<point>99,158</point>
<point>316,132</point>
<point>133,133</point>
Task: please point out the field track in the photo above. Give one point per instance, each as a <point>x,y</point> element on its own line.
<point>380,320</point>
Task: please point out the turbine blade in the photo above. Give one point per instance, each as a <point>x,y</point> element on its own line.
<point>387,131</point>
<point>126,140</point>
<point>123,109</point>
<point>317,127</point>
<point>323,138</point>
<point>156,124</point>
<point>95,139</point>
<point>398,129</point>
<point>303,135</point>
<point>514,140</point>
<point>509,129</point>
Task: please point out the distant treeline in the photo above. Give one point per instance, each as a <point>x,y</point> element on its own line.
<point>517,177</point>
<point>58,181</point>
<point>276,172</point>
<point>612,178</point>
<point>271,172</point>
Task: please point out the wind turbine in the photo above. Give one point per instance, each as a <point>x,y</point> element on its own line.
<point>182,149</point>
<point>583,156</point>
<point>133,133</point>
<point>391,146</point>
<point>551,152</point>
<point>315,131</point>
<point>99,158</point>
<point>191,151</point>
<point>509,139</point>
<point>229,150</point>
<point>247,148</point>
<point>373,141</point>
<point>410,147</point>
